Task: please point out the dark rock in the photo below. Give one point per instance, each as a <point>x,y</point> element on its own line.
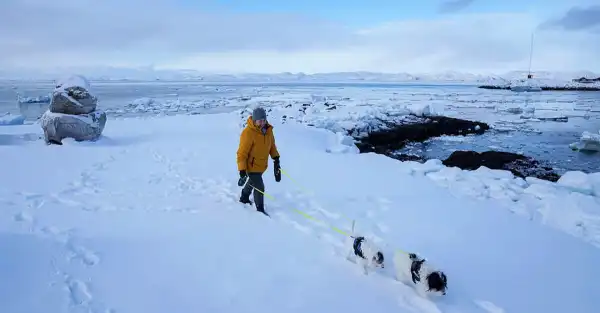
<point>518,164</point>
<point>586,80</point>
<point>395,137</point>
<point>547,88</point>
<point>407,157</point>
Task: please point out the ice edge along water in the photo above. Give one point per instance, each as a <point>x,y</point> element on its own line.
<point>147,220</point>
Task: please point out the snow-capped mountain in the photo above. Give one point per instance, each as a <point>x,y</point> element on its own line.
<point>151,73</point>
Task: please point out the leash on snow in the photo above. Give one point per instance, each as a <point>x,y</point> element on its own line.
<point>308,216</point>
<point>305,190</point>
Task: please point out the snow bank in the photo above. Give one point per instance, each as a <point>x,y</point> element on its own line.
<point>72,238</point>
<point>587,142</point>
<point>534,199</point>
<point>11,119</point>
<point>342,144</point>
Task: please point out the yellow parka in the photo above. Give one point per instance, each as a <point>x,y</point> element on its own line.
<point>255,148</point>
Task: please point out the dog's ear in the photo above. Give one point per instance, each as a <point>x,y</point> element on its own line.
<point>380,258</point>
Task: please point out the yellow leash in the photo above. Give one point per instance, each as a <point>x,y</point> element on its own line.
<point>308,216</point>
<point>305,215</point>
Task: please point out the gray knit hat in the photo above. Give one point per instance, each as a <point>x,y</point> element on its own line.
<point>259,114</point>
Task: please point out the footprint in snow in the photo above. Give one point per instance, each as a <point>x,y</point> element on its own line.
<point>81,298</point>
<point>79,292</point>
<point>65,201</point>
<point>33,200</point>
<point>86,256</point>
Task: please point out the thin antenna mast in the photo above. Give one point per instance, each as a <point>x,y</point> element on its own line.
<point>529,76</point>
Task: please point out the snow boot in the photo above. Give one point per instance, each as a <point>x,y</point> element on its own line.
<point>245,201</point>
<point>262,210</point>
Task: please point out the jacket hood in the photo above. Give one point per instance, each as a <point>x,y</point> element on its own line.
<point>250,124</point>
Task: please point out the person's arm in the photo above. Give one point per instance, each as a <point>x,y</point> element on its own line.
<point>244,150</point>
<point>273,152</point>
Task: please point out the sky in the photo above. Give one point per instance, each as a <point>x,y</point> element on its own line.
<point>310,36</point>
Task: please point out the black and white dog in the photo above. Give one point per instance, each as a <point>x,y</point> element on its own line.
<point>410,268</point>
<point>365,253</point>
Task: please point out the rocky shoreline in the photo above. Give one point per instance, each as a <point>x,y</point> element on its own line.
<point>547,88</point>
<point>395,137</point>
<point>388,141</point>
<point>518,164</point>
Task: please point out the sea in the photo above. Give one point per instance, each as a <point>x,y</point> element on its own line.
<point>538,124</point>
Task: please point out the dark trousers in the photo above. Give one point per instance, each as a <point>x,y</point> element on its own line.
<point>255,181</point>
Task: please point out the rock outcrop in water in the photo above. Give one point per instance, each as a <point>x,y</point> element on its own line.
<point>548,88</point>
<point>518,164</point>
<point>585,80</point>
<point>72,113</point>
<point>395,137</point>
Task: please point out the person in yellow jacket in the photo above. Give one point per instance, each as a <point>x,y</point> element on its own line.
<point>257,143</point>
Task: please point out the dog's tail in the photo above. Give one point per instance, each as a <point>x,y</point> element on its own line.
<point>353,223</point>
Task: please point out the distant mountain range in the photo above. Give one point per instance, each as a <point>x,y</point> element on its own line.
<point>152,74</point>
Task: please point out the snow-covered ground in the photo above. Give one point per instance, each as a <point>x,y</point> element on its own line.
<point>147,220</point>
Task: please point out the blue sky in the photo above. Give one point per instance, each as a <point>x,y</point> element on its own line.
<point>364,13</point>
<point>267,36</point>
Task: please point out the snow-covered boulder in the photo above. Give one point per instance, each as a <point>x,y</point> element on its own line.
<point>58,126</point>
<point>11,119</point>
<point>587,142</point>
<point>72,95</point>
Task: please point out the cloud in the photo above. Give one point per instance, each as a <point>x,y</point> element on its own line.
<point>450,6</point>
<point>132,29</point>
<point>472,43</point>
<point>43,34</point>
<point>577,19</point>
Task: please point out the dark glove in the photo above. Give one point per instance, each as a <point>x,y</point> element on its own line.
<point>242,179</point>
<point>277,169</point>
